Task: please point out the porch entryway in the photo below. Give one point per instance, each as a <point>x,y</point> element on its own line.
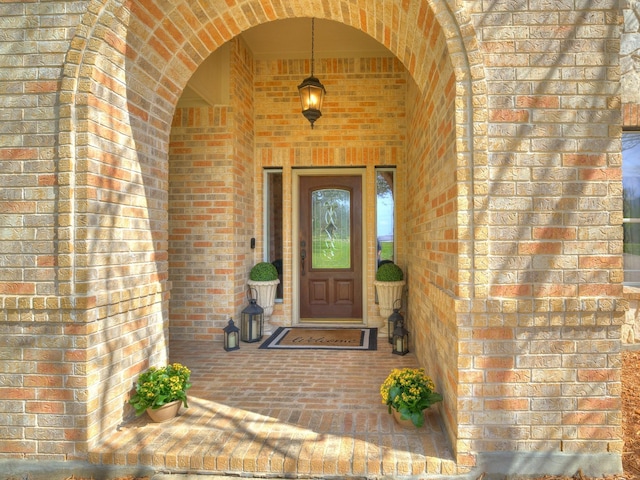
<point>299,414</point>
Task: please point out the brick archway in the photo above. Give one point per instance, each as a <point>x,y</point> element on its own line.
<point>123,76</point>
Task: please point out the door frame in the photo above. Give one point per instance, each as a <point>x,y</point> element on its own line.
<point>295,222</point>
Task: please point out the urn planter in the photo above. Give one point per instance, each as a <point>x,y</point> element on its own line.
<point>388,294</point>
<point>165,412</point>
<point>265,294</point>
<point>389,283</point>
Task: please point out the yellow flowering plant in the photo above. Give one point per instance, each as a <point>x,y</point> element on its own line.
<point>158,386</point>
<point>409,391</point>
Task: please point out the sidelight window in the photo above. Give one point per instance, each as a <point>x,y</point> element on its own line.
<point>385,214</point>
<point>273,223</point>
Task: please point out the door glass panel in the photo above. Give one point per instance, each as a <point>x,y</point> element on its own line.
<point>331,229</point>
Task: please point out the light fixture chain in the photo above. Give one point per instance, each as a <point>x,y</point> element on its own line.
<point>312,42</point>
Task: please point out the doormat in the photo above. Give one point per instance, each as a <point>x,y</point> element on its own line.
<point>300,338</point>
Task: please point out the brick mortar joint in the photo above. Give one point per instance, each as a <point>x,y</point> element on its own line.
<point>533,305</point>
<point>79,303</point>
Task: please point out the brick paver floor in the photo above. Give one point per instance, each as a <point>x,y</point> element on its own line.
<point>290,413</point>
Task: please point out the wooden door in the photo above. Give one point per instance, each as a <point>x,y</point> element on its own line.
<point>330,248</point>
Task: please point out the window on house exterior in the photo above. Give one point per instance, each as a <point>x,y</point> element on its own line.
<point>631,206</point>
<point>385,214</point>
<point>273,223</point>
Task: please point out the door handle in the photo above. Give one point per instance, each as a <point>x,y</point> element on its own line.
<point>303,255</point>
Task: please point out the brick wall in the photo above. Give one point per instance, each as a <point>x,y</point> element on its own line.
<point>201,222</point>
<point>539,347</point>
<point>529,362</point>
<point>244,170</point>
<point>351,133</point>
<point>211,208</point>
<point>213,180</point>
<point>437,237</point>
<point>88,309</point>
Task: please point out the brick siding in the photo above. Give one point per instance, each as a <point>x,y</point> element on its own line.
<point>504,125</point>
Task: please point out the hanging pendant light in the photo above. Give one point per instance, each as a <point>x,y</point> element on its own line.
<point>311,90</point>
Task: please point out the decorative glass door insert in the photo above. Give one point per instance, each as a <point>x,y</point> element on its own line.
<point>331,224</point>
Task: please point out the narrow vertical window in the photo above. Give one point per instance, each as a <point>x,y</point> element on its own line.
<point>273,223</point>
<point>385,214</point>
<point>631,206</point>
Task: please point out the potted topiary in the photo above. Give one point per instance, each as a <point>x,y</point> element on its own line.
<point>389,285</point>
<point>263,278</point>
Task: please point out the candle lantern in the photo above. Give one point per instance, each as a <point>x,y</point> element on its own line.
<point>400,340</point>
<point>252,322</point>
<point>231,336</point>
<point>393,320</point>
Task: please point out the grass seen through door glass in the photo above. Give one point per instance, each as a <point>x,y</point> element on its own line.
<point>335,254</point>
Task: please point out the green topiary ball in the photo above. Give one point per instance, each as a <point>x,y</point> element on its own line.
<point>263,272</point>
<point>389,272</point>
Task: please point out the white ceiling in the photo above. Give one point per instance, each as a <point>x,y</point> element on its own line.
<point>280,39</point>
<point>292,39</point>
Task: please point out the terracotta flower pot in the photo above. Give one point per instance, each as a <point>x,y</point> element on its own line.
<point>397,417</point>
<point>165,412</point>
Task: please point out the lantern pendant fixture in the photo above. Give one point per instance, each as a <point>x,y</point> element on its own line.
<point>311,90</point>
<point>252,322</point>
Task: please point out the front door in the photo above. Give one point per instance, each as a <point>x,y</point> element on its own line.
<point>330,246</point>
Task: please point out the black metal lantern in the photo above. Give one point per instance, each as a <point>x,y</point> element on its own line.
<point>400,340</point>
<point>311,91</point>
<point>252,322</point>
<point>231,336</point>
<point>393,320</point>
